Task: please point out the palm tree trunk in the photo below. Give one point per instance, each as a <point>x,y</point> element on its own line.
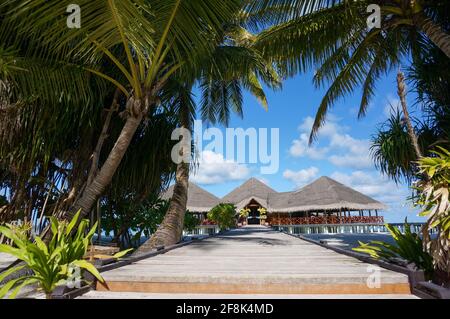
<point>401,90</point>
<point>103,135</point>
<point>106,173</point>
<point>171,229</point>
<point>434,32</point>
<point>101,180</point>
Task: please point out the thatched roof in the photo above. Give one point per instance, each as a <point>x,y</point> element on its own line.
<point>322,194</point>
<point>251,189</point>
<point>199,200</point>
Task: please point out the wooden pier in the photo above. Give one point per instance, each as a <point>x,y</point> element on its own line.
<point>254,260</point>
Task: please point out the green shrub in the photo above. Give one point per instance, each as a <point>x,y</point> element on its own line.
<point>190,221</point>
<point>433,198</point>
<point>54,263</point>
<point>409,247</point>
<point>224,215</point>
<point>243,213</point>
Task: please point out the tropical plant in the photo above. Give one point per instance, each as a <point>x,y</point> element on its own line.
<point>129,221</point>
<point>244,212</point>
<point>42,97</point>
<point>263,213</point>
<point>392,150</point>
<point>44,172</point>
<point>391,145</point>
<point>190,222</point>
<point>408,247</point>
<point>144,43</point>
<point>52,264</point>
<point>224,215</point>
<point>432,196</point>
<point>332,37</point>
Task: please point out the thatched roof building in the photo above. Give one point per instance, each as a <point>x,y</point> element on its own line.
<point>324,194</point>
<point>251,189</point>
<point>199,200</point>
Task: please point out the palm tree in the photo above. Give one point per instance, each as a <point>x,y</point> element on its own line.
<point>401,91</point>
<point>171,228</point>
<point>42,98</point>
<point>234,65</point>
<point>392,148</point>
<point>157,39</point>
<point>332,36</point>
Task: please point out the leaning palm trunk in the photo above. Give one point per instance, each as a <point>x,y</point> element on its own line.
<point>104,177</point>
<point>401,90</point>
<point>434,32</point>
<point>89,196</point>
<point>171,229</point>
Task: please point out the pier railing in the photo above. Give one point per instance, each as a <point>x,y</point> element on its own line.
<point>347,228</point>
<point>202,230</point>
<point>324,220</point>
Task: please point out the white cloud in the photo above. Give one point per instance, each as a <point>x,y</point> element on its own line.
<point>300,148</point>
<point>301,177</point>
<point>341,150</point>
<point>328,129</point>
<point>215,169</point>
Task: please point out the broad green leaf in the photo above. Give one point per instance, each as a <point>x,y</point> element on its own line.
<point>41,245</point>
<point>18,253</point>
<point>10,271</point>
<point>8,286</point>
<point>92,231</point>
<point>89,267</point>
<point>73,222</point>
<point>17,289</point>
<point>122,253</point>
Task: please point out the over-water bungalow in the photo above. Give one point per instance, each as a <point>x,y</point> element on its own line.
<point>324,201</point>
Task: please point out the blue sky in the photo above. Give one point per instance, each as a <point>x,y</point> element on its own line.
<point>340,152</point>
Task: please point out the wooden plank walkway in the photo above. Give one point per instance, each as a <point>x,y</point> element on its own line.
<point>252,260</point>
<point>145,295</point>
